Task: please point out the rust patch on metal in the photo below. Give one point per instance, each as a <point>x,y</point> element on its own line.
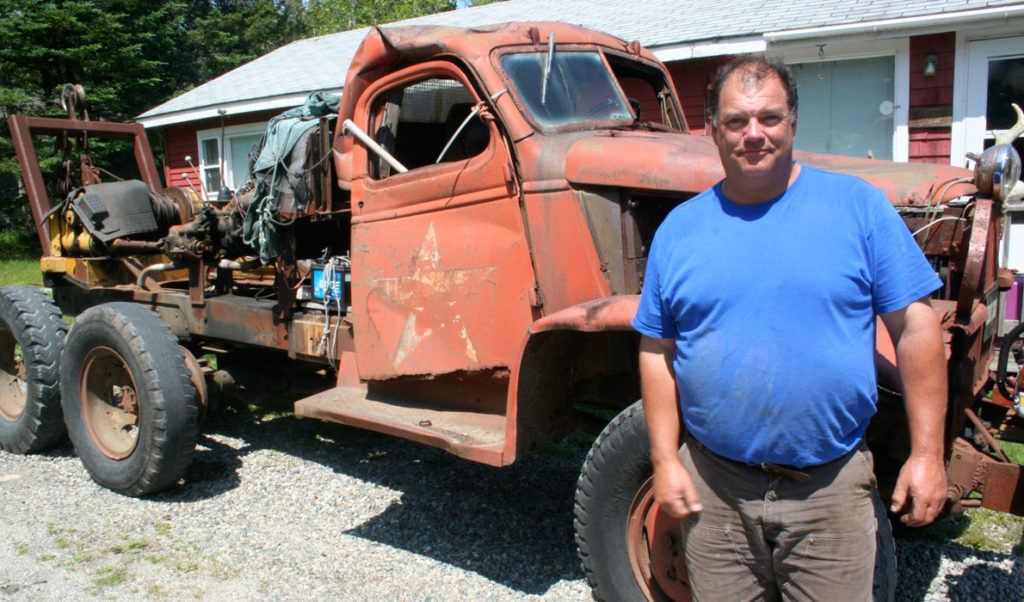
<point>609,313</point>
<point>999,483</point>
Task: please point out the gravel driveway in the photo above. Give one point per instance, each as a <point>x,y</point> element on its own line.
<point>275,508</point>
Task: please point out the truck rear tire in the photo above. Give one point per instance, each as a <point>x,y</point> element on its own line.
<point>628,552</point>
<point>31,335</point>
<point>129,403</point>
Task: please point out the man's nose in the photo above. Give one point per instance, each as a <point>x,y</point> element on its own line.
<point>753,129</point>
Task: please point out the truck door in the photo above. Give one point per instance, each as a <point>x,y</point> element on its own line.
<point>441,271</point>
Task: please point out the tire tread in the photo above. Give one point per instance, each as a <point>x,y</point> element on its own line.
<point>37,317</point>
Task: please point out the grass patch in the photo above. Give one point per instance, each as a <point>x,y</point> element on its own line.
<point>20,271</point>
<point>129,546</point>
<point>111,557</point>
<point>1014,451</point>
<point>977,528</point>
<point>993,531</point>
<point>109,576</point>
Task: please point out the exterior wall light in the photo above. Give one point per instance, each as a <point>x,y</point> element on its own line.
<point>931,64</point>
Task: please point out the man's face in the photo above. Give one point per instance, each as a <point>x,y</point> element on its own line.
<point>754,131</point>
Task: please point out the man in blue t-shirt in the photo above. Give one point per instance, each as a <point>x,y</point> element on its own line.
<point>758,316</point>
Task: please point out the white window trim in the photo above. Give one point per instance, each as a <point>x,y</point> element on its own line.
<point>215,134</point>
<point>898,48</point>
<point>959,142</point>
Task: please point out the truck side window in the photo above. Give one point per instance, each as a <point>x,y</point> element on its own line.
<point>416,122</point>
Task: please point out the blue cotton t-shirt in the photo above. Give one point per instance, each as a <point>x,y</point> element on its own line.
<point>772,308</point>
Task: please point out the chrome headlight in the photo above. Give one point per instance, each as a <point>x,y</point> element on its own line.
<point>997,171</point>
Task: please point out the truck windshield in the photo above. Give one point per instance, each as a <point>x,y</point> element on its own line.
<point>576,88</point>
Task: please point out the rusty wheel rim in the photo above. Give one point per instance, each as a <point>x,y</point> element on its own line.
<point>110,403</point>
<point>655,550</point>
<point>13,380</point>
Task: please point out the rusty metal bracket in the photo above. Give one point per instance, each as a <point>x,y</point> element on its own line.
<point>23,128</point>
<point>1000,483</point>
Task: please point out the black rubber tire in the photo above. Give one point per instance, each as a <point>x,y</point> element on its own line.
<point>617,465</point>
<point>884,588</point>
<point>30,412</point>
<point>145,354</point>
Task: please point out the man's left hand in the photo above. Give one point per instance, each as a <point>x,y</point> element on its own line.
<point>921,489</point>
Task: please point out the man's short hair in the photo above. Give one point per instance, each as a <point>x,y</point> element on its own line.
<point>755,68</point>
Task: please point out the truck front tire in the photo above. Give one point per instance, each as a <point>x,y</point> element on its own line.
<point>628,552</point>
<point>129,403</point>
<point>31,335</point>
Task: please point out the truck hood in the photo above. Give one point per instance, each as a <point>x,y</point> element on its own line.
<point>668,162</point>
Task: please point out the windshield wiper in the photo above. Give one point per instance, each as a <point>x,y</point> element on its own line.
<point>547,68</point>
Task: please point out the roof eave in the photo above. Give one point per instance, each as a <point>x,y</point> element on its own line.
<point>284,101</point>
<point>902,26</point>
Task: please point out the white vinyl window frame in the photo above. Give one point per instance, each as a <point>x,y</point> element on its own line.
<point>898,48</point>
<point>223,160</point>
<point>973,51</point>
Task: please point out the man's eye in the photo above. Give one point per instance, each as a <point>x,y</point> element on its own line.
<point>770,120</point>
<point>736,123</point>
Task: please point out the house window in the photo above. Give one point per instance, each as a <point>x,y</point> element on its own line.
<point>1005,87</point>
<point>227,166</point>
<point>846,107</point>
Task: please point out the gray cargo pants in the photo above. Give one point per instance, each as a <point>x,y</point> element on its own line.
<point>765,536</point>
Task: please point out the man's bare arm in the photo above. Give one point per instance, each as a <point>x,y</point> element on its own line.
<point>673,487</point>
<point>921,360</point>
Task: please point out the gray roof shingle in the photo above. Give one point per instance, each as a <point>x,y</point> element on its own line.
<point>321,63</point>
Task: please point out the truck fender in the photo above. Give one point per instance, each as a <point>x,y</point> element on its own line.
<point>539,401</point>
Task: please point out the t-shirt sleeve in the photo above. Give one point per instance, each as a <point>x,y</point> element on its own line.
<point>652,318</point>
<point>902,274</point>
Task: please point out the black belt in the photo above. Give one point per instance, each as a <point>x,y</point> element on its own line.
<point>779,470</point>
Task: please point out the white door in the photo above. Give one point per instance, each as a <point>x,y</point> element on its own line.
<point>995,78</point>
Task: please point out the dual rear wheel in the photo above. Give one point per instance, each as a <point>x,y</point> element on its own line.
<point>117,384</point>
<point>129,402</point>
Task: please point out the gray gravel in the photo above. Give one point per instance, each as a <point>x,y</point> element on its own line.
<point>285,509</point>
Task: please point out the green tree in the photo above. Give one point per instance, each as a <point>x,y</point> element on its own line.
<point>129,55</point>
<point>227,33</point>
<point>330,16</point>
<point>121,51</point>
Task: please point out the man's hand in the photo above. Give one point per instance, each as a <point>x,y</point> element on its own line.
<point>921,489</point>
<point>673,487</point>
<point>674,490</point>
<point>921,361</point>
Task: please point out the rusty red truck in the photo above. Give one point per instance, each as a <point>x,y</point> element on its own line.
<point>461,248</point>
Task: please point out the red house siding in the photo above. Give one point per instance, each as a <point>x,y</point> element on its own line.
<point>931,98</point>
<point>692,79</point>
<point>930,145</point>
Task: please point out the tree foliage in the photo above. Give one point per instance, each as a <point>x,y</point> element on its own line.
<point>329,16</point>
<point>131,55</point>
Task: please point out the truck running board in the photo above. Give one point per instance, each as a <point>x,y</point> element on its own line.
<point>476,436</point>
